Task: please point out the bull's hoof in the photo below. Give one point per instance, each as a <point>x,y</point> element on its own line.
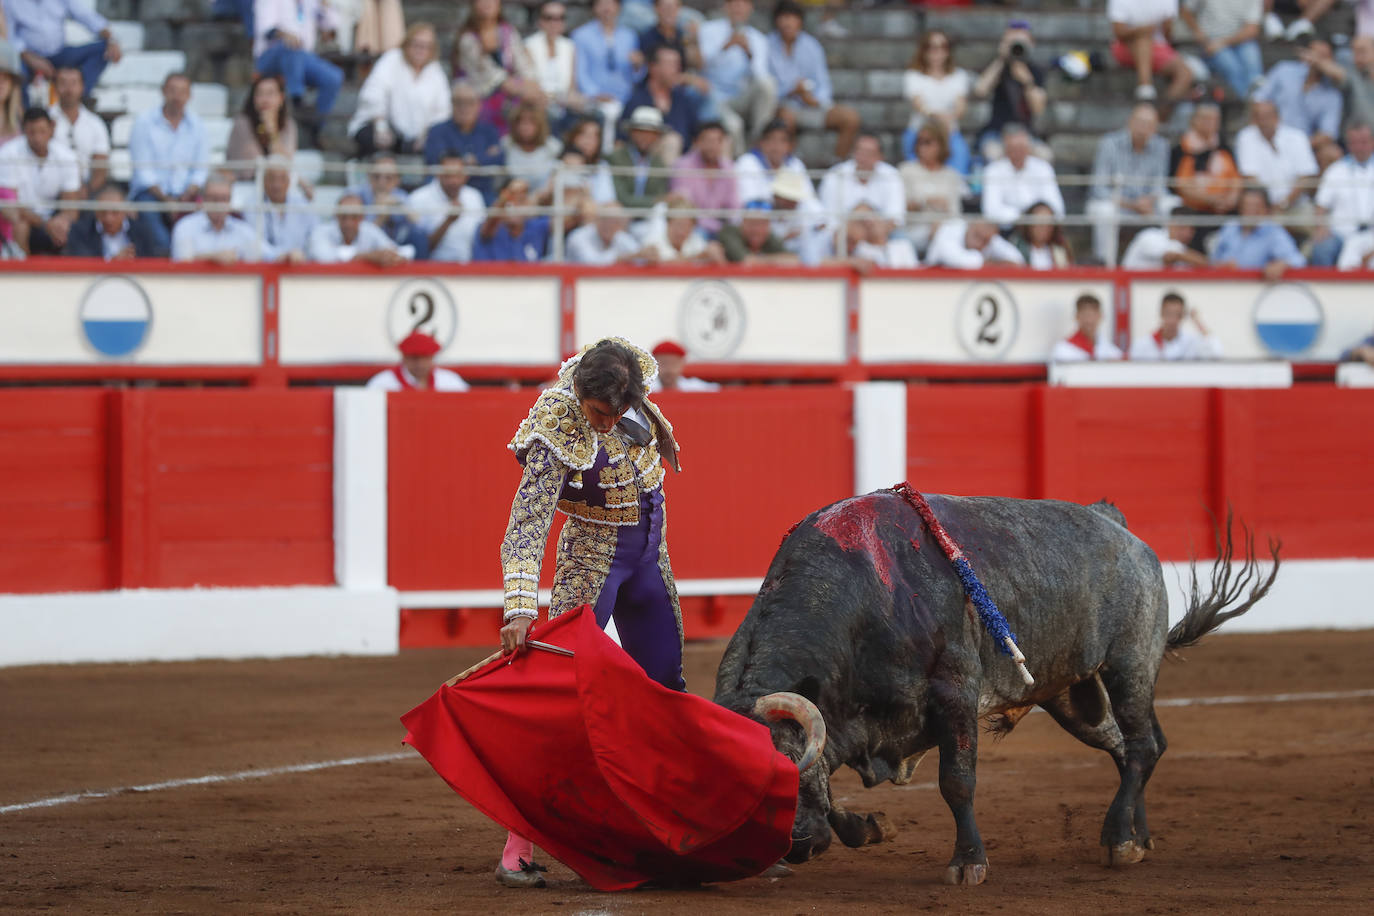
<point>878,828</point>
<point>966,874</point>
<point>1122,854</point>
<point>776,870</point>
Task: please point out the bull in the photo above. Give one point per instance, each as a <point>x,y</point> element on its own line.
<point>861,634</point>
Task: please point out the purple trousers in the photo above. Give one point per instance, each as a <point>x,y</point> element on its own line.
<point>635,595</point>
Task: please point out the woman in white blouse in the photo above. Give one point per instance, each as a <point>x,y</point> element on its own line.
<point>937,90</point>
<point>406,93</point>
<point>554,59</point>
<point>934,191</point>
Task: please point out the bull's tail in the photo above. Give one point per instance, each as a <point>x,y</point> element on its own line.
<point>1224,601</point>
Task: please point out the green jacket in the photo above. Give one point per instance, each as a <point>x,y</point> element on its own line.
<point>655,187</point>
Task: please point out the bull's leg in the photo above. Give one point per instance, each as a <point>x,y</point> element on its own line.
<point>958,769</point>
<point>860,829</point>
<point>1124,831</point>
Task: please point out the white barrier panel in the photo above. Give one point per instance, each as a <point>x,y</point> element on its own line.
<point>719,320</point>
<point>477,320</point>
<point>973,320</point>
<point>1172,375</point>
<point>1355,375</point>
<point>143,319</point>
<point>1307,595</point>
<point>1252,320</point>
<point>184,624</point>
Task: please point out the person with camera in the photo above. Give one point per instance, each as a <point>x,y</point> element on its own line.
<point>1016,86</point>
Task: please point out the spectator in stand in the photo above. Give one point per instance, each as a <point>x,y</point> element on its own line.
<point>467,134</point>
<point>417,371</point>
<point>970,244</point>
<point>938,91</point>
<point>677,29</point>
<point>799,220</point>
<point>662,88</point>
<point>1307,99</point>
<point>1128,178</point>
<point>875,243</point>
<point>529,151</point>
<point>864,179</point>
<point>735,60</point>
<point>1278,156</point>
<point>1089,340</point>
<point>672,361</point>
<point>1016,86</point>
<point>1204,169</point>
<point>554,59</point>
<point>1173,342</point>
<point>490,54</point>
<point>1356,82</point>
<point>1358,252</point>
<point>448,211</point>
<point>212,234</point>
<point>752,241</point>
<point>36,29</point>
<point>1345,197</point>
<point>11,93</point>
<point>39,173</point>
<point>80,129</point>
<point>796,62</point>
<point>112,234</point>
<point>383,189</point>
<point>755,170</point>
<point>1011,184</point>
<point>1254,242</point>
<point>1158,248</point>
<point>286,218</point>
<point>350,239</point>
<point>674,236</point>
<point>284,45</point>
<point>381,26</point>
<point>1311,11</point>
<point>607,55</point>
<point>1228,31</point>
<point>509,234</point>
<point>263,128</point>
<point>1041,240</point>
<point>640,190</point>
<point>605,241</point>
<point>587,172</point>
<point>934,191</point>
<point>169,152</point>
<point>1141,33</point>
<point>405,95</point>
<point>706,176</point>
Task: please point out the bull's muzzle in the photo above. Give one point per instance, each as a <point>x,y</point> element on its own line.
<point>776,707</point>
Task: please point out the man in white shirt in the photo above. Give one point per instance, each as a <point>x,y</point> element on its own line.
<point>449,211</point>
<point>605,241</point>
<point>1173,341</point>
<point>1345,197</point>
<point>287,219</point>
<point>417,371</point>
<point>803,227</point>
<point>40,171</point>
<point>80,129</point>
<point>865,179</point>
<point>1277,156</point>
<point>1156,248</point>
<point>351,239</point>
<point>1088,342</point>
<point>734,58</point>
<point>969,245</point>
<point>212,234</point>
<point>169,151</point>
<point>672,359</point>
<point>1018,181</point>
<point>755,170</point>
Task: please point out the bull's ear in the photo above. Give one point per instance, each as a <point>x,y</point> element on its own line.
<point>810,688</point>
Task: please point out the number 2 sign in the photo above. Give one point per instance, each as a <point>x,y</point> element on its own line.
<point>987,321</point>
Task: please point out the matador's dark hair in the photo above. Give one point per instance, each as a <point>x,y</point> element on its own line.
<point>610,372</point>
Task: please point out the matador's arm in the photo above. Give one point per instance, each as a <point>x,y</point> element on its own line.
<point>527,535</point>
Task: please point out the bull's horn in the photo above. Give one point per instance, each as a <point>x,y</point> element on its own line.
<point>778,706</point>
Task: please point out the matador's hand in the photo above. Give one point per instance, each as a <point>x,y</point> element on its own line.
<point>513,634</point>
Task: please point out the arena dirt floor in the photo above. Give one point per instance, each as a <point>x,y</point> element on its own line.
<point>1260,806</point>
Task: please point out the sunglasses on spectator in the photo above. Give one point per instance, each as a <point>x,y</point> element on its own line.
<point>552,17</point>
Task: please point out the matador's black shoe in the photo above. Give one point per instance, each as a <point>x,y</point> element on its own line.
<point>528,875</point>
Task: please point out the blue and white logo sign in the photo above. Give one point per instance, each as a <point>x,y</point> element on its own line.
<point>1288,319</point>
<point>115,316</point>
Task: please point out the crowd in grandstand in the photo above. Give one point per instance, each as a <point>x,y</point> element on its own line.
<point>651,133</point>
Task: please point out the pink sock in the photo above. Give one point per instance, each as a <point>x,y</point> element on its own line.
<point>517,848</point>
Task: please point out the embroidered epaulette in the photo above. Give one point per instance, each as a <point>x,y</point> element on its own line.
<point>556,420</point>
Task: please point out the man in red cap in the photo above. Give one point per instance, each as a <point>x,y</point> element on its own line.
<point>672,356</point>
<point>417,371</point>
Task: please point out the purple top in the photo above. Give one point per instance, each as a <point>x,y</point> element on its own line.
<point>718,191</point>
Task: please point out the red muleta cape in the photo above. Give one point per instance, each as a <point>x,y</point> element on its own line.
<point>617,777</point>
